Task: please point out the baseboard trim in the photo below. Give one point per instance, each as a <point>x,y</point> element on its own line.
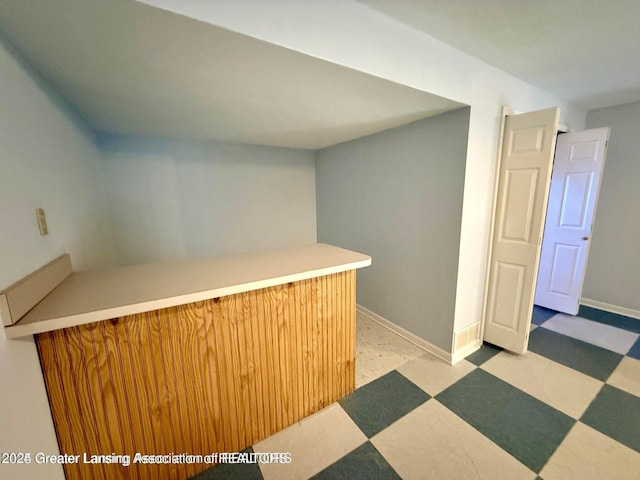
<point>411,337</point>
<point>607,307</point>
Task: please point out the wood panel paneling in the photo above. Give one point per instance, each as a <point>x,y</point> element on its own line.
<point>212,376</point>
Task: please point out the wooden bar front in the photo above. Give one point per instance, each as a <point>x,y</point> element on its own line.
<point>211,376</point>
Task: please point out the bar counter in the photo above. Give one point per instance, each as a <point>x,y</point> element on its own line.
<point>91,296</point>
<point>195,357</point>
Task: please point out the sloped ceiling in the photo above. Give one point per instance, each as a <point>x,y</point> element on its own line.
<point>129,68</point>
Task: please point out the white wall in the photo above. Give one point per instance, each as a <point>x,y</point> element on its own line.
<point>181,199</point>
<point>46,160</point>
<point>397,195</point>
<point>353,35</point>
<point>613,268</point>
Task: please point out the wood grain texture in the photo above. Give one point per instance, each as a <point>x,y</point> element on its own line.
<point>211,376</point>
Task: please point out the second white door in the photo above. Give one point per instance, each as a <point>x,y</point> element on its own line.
<point>579,160</point>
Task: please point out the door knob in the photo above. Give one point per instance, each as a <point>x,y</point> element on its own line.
<point>585,238</point>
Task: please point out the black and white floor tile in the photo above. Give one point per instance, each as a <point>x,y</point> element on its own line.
<point>568,409</point>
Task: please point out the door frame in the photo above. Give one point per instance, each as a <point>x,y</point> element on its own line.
<point>504,113</point>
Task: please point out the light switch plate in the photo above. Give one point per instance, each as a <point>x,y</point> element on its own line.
<point>42,222</point>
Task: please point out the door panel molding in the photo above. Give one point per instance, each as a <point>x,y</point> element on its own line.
<point>524,173</point>
<point>578,167</point>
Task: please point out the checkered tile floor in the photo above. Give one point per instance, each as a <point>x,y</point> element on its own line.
<point>570,408</point>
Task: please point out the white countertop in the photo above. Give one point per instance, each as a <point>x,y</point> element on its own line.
<point>92,296</point>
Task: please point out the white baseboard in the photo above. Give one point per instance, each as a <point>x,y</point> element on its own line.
<point>416,340</point>
<point>627,312</point>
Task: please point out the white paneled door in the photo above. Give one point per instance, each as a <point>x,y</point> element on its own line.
<point>521,202</point>
<point>575,184</point>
